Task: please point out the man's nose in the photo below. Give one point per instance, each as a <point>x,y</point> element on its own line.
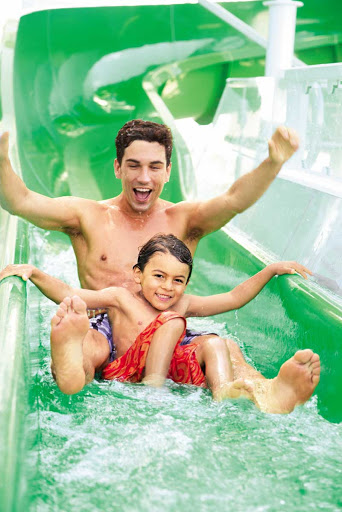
<point>144,176</point>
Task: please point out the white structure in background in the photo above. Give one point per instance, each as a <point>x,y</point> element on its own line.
<point>281,36</point>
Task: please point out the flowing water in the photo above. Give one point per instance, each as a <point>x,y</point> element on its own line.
<point>126,447</point>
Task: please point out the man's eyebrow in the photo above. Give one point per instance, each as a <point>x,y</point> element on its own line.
<point>133,160</point>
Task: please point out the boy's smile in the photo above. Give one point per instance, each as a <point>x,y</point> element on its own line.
<point>163,280</point>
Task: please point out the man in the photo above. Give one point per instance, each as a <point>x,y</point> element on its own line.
<point>105,235</point>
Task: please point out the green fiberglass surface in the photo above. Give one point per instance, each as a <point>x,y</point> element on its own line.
<point>79,74</point>
<point>125,447</point>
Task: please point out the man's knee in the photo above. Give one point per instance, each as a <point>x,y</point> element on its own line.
<point>234,348</point>
<point>214,344</point>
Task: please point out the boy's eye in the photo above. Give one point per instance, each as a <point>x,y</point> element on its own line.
<point>158,275</point>
<point>179,281</point>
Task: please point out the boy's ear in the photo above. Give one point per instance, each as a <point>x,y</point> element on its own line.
<point>137,275</point>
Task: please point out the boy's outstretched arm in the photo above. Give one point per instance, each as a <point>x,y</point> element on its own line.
<point>56,290</point>
<point>208,216</point>
<point>244,292</point>
<point>52,288</point>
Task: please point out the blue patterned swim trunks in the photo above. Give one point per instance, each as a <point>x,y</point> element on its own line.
<point>101,324</point>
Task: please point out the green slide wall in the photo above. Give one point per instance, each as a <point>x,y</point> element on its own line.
<point>78,76</point>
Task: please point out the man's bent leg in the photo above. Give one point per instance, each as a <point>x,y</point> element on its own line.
<point>76,350</point>
<point>213,353</point>
<point>294,384</point>
<point>241,368</point>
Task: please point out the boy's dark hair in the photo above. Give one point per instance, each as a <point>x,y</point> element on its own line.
<point>164,243</point>
<point>137,129</point>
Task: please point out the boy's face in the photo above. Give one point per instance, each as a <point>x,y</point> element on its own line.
<point>163,280</point>
<point>143,172</point>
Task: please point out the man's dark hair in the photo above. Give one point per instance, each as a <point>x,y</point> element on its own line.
<point>137,129</point>
<point>164,243</point>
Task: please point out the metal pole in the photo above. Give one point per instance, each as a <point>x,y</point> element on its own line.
<point>240,25</point>
<point>281,36</point>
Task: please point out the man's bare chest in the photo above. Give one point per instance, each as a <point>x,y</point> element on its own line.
<point>109,246</point>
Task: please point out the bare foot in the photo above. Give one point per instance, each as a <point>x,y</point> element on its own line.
<point>239,388</point>
<point>294,384</point>
<point>69,326</point>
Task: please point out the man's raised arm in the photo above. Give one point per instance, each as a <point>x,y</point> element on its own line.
<point>17,199</point>
<point>209,216</point>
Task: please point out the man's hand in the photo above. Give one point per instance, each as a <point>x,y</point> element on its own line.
<point>290,267</point>
<point>23,271</point>
<point>283,143</point>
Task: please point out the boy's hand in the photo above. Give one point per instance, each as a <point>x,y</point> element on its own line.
<point>290,267</point>
<point>23,271</point>
<point>283,143</point>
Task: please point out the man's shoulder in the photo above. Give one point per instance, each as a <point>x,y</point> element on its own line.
<point>182,207</point>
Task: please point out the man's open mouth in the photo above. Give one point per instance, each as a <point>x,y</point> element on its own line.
<point>142,194</point>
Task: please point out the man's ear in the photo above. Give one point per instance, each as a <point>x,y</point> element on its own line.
<point>117,169</point>
<point>137,275</point>
<point>168,172</point>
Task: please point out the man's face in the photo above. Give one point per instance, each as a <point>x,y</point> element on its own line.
<point>143,173</point>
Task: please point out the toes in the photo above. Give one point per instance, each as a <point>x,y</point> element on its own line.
<point>79,305</point>
<point>238,383</point>
<point>316,366</point>
<point>303,356</point>
<point>67,301</point>
<point>242,386</point>
<point>61,312</point>
<point>248,387</point>
<point>315,380</point>
<point>63,306</point>
<point>315,358</point>
<point>55,320</point>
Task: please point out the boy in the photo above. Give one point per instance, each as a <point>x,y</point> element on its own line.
<point>151,323</point>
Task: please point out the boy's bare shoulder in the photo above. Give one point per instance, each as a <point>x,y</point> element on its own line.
<point>182,305</point>
<point>120,295</point>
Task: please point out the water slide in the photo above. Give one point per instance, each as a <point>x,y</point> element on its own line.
<point>70,78</point>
